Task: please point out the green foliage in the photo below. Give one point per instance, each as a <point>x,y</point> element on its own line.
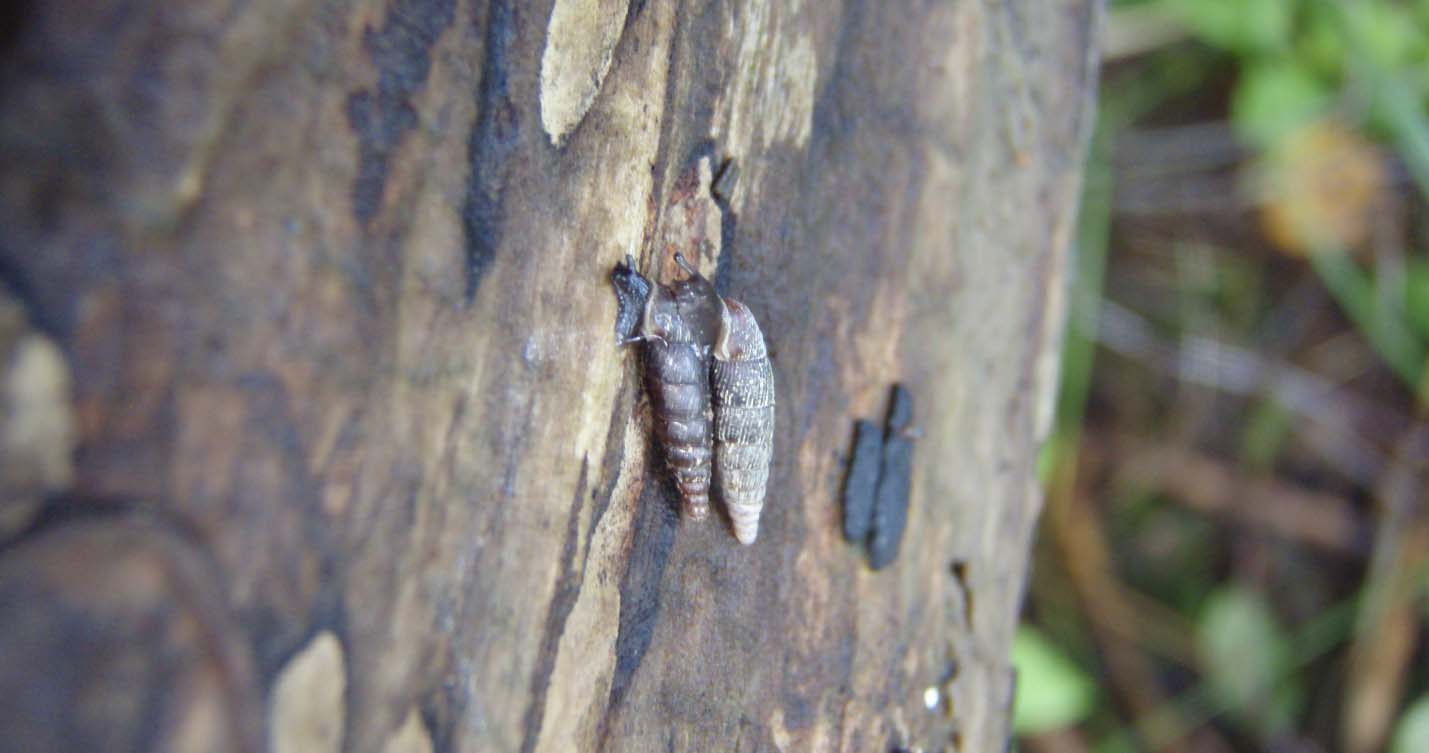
<point>1388,32</point>
<point>1241,26</point>
<point>1245,654</point>
<point>1298,58</point>
<point>1115,744</point>
<point>1385,327</point>
<point>1361,66</point>
<point>1416,296</point>
<point>1275,97</point>
<point>1319,45</point>
<point>1052,691</point>
<point>1170,550</point>
<point>1266,430</point>
<point>1411,734</point>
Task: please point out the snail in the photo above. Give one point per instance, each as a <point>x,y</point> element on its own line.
<point>742,384</point>
<point>678,327</point>
<point>632,291</point>
<point>711,385</point>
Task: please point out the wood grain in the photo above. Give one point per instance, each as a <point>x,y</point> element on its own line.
<point>336,310</point>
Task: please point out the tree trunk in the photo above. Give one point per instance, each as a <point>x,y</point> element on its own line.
<point>357,464</point>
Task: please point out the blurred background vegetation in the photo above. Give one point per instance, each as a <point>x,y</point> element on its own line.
<point>1234,551</point>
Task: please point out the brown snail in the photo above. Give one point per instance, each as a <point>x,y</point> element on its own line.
<point>678,327</point>
<point>711,386</point>
<point>742,382</point>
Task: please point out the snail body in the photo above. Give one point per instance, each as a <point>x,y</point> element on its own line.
<point>632,293</point>
<point>678,326</point>
<point>742,382</point>
<point>677,379</point>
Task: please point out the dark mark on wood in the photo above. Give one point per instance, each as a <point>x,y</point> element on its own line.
<point>720,191</point>
<point>401,50</point>
<point>490,147</point>
<point>960,573</point>
<point>862,481</point>
<point>890,505</point>
<point>16,280</point>
<point>437,716</point>
<point>568,587</point>
<point>655,526</point>
<point>610,465</point>
<point>724,179</point>
<point>876,490</point>
<point>636,8</point>
<point>900,410</point>
<point>275,444</point>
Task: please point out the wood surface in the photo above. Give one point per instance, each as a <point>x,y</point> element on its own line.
<point>341,454</point>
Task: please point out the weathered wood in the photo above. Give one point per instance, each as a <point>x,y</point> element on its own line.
<point>331,281</point>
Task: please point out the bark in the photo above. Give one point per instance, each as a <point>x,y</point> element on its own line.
<point>356,462</point>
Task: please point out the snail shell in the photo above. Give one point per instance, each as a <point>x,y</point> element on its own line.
<point>679,326</point>
<point>743,391</point>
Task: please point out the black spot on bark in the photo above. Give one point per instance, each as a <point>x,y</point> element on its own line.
<point>441,708</point>
<point>611,463</point>
<point>724,180</point>
<point>567,589</point>
<point>636,8</point>
<point>890,507</point>
<point>640,588</point>
<point>862,480</point>
<point>959,569</point>
<point>837,107</point>
<point>493,141</point>
<point>401,51</point>
<point>900,410</point>
<point>15,280</point>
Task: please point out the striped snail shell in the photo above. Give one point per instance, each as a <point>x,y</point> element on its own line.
<point>742,382</point>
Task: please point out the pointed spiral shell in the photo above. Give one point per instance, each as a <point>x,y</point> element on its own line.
<point>742,383</point>
<point>679,388</point>
<point>679,326</point>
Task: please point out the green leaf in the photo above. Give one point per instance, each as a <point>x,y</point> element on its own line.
<point>1272,99</point>
<point>1240,26</point>
<point>1266,430</point>
<point>1119,742</point>
<point>1388,32</point>
<point>1245,652</point>
<point>1416,296</point>
<point>1387,331</point>
<point>1052,691</point>
<point>1241,645</point>
<point>1320,44</point>
<point>1411,734</point>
